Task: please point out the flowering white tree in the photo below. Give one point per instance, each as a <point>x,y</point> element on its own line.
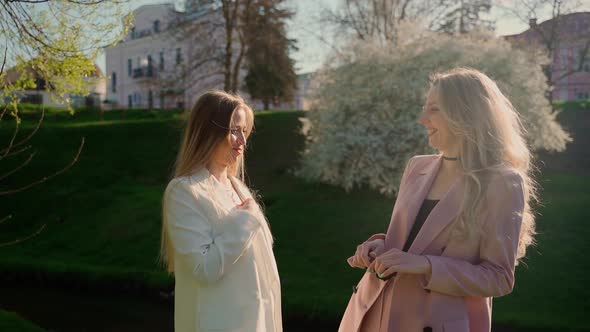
<point>363,127</point>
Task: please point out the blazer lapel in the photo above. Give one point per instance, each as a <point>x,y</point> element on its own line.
<point>445,211</point>
<point>415,192</point>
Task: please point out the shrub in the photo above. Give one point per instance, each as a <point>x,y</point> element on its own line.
<point>362,128</point>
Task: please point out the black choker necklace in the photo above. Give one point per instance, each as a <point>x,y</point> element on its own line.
<point>451,158</point>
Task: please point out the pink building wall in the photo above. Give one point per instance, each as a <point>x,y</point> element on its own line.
<point>573,35</point>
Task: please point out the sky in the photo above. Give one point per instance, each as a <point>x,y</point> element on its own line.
<point>306,27</point>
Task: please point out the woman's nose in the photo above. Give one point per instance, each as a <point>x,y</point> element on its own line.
<point>422,119</point>
<point>242,139</point>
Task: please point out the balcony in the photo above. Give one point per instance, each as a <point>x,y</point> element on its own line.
<point>144,72</point>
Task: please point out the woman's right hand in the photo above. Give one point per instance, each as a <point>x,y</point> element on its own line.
<point>248,205</point>
<point>366,253</point>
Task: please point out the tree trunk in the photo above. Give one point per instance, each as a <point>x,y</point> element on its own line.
<point>230,16</point>
<point>235,84</point>
<point>266,103</point>
<point>227,59</point>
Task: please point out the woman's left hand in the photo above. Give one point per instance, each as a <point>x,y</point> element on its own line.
<point>397,261</point>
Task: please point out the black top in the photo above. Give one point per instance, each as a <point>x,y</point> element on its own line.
<point>425,209</point>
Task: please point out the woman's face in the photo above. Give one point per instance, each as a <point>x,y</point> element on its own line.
<point>229,150</point>
<point>440,136</point>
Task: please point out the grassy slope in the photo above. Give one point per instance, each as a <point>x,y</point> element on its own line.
<point>10,321</point>
<point>103,218</point>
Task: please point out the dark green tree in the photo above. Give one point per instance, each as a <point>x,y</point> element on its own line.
<point>464,16</point>
<point>271,72</point>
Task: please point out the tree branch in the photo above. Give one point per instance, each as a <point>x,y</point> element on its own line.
<point>4,60</point>
<point>18,168</point>
<point>26,139</point>
<point>6,150</point>
<point>17,241</point>
<point>581,62</point>
<point>3,220</point>
<point>45,178</point>
<point>15,152</point>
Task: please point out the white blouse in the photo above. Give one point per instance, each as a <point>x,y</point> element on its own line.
<point>225,271</point>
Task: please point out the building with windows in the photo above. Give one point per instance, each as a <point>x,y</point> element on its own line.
<point>570,69</point>
<point>158,64</point>
<point>137,66</point>
<point>42,94</point>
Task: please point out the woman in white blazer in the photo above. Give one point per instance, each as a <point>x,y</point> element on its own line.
<point>215,238</point>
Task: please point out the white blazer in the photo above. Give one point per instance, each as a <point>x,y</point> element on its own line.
<point>225,271</point>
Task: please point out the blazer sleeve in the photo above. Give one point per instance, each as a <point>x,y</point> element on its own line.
<point>382,236</point>
<point>494,274</point>
<point>209,253</point>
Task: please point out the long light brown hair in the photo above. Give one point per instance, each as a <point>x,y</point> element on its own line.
<point>206,126</point>
<point>491,140</point>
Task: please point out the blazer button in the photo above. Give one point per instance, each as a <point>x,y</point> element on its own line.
<point>427,329</point>
<point>354,289</point>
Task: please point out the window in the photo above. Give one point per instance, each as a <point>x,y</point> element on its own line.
<point>579,57</point>
<point>150,99</point>
<point>150,71</point>
<point>157,26</point>
<point>161,99</point>
<point>161,60</point>
<point>33,98</point>
<point>129,101</point>
<point>40,84</point>
<point>133,33</point>
<point>114,82</point>
<point>137,99</point>
<point>178,56</point>
<point>583,95</point>
<point>563,59</point>
<point>129,67</point>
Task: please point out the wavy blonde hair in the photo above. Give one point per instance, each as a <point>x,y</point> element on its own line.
<point>491,140</point>
<point>206,126</point>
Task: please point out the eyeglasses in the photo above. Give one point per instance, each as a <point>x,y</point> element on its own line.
<point>233,131</point>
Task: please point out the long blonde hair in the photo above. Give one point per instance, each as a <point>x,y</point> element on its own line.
<point>491,140</point>
<point>206,126</point>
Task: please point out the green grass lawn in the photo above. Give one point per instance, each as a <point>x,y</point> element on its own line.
<point>103,218</point>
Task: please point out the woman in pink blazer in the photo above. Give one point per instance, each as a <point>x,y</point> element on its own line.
<point>461,220</point>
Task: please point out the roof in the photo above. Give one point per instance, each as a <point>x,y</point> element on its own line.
<point>167,5</point>
<point>565,22</point>
<point>12,74</point>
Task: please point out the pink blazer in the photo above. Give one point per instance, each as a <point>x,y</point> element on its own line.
<point>466,273</point>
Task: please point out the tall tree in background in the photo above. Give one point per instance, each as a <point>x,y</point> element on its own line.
<point>271,74</point>
<point>54,43</point>
<point>214,33</point>
<point>464,16</point>
<point>372,19</point>
<point>236,16</point>
<point>382,19</point>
